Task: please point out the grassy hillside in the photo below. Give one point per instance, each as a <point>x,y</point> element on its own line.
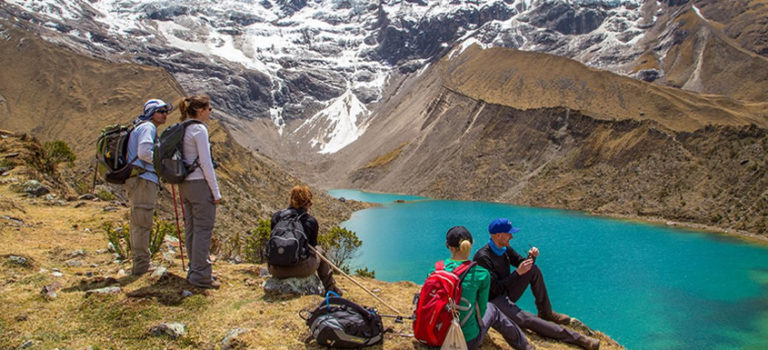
<point>60,244</point>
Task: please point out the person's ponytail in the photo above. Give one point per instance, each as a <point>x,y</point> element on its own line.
<point>188,106</point>
<point>465,246</point>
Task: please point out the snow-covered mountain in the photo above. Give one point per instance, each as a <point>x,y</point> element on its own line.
<point>317,67</point>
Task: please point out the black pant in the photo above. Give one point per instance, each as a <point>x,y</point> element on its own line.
<point>535,279</point>
<point>527,320</point>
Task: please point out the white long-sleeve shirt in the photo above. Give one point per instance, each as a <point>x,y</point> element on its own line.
<point>196,145</point>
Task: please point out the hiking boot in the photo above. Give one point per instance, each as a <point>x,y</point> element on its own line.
<point>556,317</point>
<point>212,285</point>
<point>588,343</point>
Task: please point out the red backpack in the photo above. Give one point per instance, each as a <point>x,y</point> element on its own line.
<point>433,308</point>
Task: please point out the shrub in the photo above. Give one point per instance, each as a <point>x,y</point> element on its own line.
<point>120,237</point>
<point>340,246</point>
<point>105,195</point>
<point>58,152</point>
<point>364,272</point>
<point>256,242</point>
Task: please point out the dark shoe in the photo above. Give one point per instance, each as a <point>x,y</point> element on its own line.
<point>556,317</point>
<point>212,285</point>
<point>588,343</point>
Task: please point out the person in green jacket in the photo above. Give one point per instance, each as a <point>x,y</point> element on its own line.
<point>474,297</point>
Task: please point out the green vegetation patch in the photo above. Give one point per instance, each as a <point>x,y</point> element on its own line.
<point>385,159</point>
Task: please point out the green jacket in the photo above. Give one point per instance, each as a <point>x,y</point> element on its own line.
<point>474,296</point>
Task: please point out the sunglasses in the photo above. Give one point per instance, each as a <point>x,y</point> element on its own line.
<point>164,111</point>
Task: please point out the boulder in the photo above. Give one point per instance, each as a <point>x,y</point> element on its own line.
<point>32,187</point>
<point>293,286</point>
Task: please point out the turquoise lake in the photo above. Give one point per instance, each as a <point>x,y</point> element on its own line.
<point>647,286</point>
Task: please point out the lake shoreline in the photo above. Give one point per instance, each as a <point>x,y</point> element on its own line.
<point>655,220</point>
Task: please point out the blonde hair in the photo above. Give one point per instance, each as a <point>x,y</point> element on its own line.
<point>301,196</point>
<point>189,106</point>
<point>465,246</point>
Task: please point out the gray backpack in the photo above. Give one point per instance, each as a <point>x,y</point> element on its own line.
<point>340,323</point>
<point>168,157</point>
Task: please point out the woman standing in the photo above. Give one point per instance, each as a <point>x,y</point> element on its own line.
<point>200,190</point>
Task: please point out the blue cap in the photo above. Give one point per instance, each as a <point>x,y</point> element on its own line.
<point>502,225</point>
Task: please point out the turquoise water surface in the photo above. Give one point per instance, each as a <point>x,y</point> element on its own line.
<point>647,286</point>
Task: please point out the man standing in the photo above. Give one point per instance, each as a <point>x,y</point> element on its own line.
<point>507,287</point>
<point>142,189</point>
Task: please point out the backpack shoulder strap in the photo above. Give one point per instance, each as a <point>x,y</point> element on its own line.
<point>463,269</point>
<point>440,265</point>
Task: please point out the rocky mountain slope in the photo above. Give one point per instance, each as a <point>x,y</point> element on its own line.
<point>60,287</point>
<point>480,126</point>
<point>294,78</point>
<point>57,94</point>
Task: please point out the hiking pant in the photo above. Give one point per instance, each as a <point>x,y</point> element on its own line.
<point>143,195</point>
<point>511,332</point>
<point>307,267</point>
<point>200,215</point>
<point>535,279</point>
<point>527,320</point>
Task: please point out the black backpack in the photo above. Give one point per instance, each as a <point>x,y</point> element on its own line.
<point>287,244</point>
<point>168,157</point>
<point>111,153</point>
<point>340,323</point>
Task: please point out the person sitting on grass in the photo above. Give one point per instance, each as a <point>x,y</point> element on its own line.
<point>507,287</point>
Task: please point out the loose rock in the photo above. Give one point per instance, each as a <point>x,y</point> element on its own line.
<point>263,271</point>
<point>159,273</point>
<point>18,260</point>
<point>74,263</point>
<point>231,340</point>
<point>103,291</point>
<point>171,329</point>
<point>77,253</point>
<point>50,291</point>
<point>32,187</point>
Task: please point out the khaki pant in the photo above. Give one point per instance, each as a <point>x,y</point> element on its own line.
<point>200,215</point>
<point>143,195</point>
<point>305,268</point>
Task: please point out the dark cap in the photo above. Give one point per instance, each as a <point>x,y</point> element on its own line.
<point>457,234</point>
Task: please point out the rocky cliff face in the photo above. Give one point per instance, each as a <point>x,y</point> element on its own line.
<point>485,142</point>
<point>290,61</point>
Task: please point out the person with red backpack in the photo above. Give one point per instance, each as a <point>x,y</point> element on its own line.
<point>507,287</point>
<point>472,283</point>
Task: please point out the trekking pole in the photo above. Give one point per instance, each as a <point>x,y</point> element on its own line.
<point>178,230</point>
<point>353,280</point>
